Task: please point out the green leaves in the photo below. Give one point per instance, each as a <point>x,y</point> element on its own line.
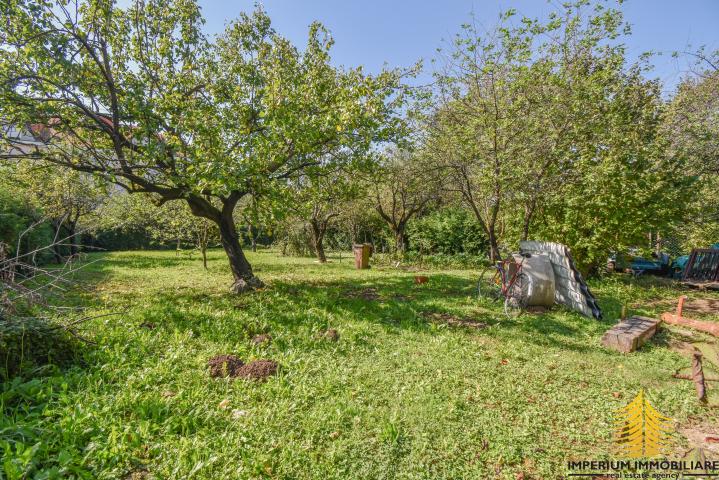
<point>148,102</point>
<point>556,139</point>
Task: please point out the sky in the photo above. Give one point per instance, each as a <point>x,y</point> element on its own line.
<point>373,33</point>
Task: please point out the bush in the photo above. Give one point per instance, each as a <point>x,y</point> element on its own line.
<point>120,239</point>
<point>15,218</point>
<point>450,231</point>
<point>30,344</point>
<point>438,261</point>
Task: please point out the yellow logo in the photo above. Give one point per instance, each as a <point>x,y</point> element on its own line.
<point>641,431</point>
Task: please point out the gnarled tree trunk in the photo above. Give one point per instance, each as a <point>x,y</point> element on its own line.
<point>318,236</point>
<point>527,222</point>
<point>401,242</point>
<point>244,278</point>
<point>494,254</point>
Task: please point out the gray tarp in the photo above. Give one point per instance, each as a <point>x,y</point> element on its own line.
<point>570,289</point>
<point>539,268</point>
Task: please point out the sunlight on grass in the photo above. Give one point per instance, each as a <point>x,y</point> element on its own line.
<point>399,395</point>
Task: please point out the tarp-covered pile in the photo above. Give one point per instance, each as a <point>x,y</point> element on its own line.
<point>570,289</point>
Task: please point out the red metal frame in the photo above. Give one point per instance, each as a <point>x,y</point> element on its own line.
<point>502,271</point>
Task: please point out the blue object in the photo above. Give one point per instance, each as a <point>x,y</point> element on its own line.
<point>658,265</point>
<point>680,263</point>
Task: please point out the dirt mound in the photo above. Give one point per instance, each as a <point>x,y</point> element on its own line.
<point>701,305</point>
<point>262,338</point>
<point>232,366</point>
<point>536,309</point>
<point>225,366</point>
<point>453,320</point>
<point>402,298</point>
<point>701,436</point>
<point>140,474</point>
<point>258,370</point>
<point>364,294</point>
<point>331,334</point>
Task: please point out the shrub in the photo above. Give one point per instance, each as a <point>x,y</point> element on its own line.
<point>16,217</point>
<point>30,344</point>
<point>449,231</point>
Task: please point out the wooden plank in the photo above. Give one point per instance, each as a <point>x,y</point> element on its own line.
<point>630,334</point>
<point>702,285</point>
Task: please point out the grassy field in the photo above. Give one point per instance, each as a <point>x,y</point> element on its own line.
<point>404,393</point>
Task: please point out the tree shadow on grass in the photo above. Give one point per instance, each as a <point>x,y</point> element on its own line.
<point>392,302</point>
<point>145,262</point>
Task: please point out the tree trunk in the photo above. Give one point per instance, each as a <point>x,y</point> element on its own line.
<point>245,280</point>
<point>528,214</point>
<point>253,241</point>
<point>320,249</point>
<point>494,255</point>
<point>203,240</point>
<point>177,250</point>
<point>56,254</point>
<point>72,228</point>
<point>401,242</point>
<point>318,234</point>
<point>56,249</point>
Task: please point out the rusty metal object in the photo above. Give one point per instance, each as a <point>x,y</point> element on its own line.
<point>698,376</point>
<point>703,265</point>
<point>362,252</point>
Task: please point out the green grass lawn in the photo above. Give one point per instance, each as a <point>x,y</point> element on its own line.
<point>400,395</point>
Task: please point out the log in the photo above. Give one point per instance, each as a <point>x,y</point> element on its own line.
<point>679,376</point>
<point>711,328</point>
<point>698,376</point>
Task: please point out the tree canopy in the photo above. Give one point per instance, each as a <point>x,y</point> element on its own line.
<point>140,97</point>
